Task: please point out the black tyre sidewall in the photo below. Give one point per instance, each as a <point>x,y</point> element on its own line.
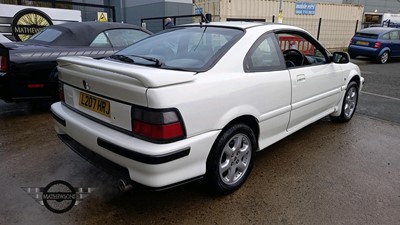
<point>212,174</point>
<point>343,117</point>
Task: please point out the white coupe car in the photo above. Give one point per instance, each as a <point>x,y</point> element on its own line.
<point>200,100</point>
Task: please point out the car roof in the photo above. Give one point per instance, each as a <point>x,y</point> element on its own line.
<point>83,33</point>
<point>376,30</point>
<point>247,25</point>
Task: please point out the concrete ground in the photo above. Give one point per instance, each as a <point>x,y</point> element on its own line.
<point>326,173</point>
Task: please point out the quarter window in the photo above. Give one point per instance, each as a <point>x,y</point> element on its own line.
<point>386,36</point>
<point>394,35</point>
<point>101,41</point>
<point>264,56</point>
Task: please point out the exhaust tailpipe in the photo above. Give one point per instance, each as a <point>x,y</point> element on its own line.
<point>124,186</point>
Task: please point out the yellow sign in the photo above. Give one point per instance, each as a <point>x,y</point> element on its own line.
<point>280,16</point>
<point>102,17</point>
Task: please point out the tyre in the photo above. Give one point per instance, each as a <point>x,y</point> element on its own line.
<point>384,57</point>
<point>349,104</point>
<point>231,159</point>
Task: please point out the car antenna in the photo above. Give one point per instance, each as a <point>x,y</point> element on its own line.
<point>202,14</point>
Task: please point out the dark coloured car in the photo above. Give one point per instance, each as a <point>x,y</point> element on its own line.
<point>28,69</point>
<point>378,43</point>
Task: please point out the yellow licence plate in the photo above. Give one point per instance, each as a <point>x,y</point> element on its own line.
<point>95,104</point>
<point>366,43</point>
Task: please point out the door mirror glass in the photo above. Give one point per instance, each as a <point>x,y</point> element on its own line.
<point>341,57</point>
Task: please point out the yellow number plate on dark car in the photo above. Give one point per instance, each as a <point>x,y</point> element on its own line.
<point>95,104</point>
<point>366,43</point>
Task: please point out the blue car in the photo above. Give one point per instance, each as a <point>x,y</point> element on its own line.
<point>378,43</point>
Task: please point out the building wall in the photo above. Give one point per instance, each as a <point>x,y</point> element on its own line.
<point>136,10</point>
<point>90,13</point>
<point>338,21</point>
<point>381,6</point>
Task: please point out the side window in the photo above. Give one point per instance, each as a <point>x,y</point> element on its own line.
<point>124,37</point>
<point>300,49</point>
<point>386,36</point>
<point>394,35</point>
<point>263,56</point>
<point>100,41</point>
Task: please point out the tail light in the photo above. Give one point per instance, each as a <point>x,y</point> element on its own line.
<point>157,125</point>
<point>378,44</point>
<point>61,91</point>
<point>351,41</point>
<point>33,86</point>
<point>3,64</point>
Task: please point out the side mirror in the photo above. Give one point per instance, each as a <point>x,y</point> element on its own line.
<point>340,57</point>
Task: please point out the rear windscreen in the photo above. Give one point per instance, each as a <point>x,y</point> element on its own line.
<point>366,35</point>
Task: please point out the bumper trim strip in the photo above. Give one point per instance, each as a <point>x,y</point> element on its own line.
<point>143,158</point>
<point>58,118</point>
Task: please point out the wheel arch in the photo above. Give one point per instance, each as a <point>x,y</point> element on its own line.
<point>248,120</point>
<point>385,49</point>
<point>354,77</point>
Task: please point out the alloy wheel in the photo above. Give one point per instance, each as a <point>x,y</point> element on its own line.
<point>384,57</point>
<point>350,102</point>
<point>235,159</point>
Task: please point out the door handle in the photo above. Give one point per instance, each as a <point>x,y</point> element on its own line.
<point>301,77</point>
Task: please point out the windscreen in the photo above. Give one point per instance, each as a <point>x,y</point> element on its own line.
<point>185,48</point>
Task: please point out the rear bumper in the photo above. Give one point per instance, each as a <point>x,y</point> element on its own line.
<point>18,90</point>
<point>363,51</point>
<point>150,164</point>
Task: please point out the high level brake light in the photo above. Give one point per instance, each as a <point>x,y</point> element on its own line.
<point>157,125</point>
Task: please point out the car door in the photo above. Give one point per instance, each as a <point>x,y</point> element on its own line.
<point>395,43</point>
<point>315,82</point>
<point>264,65</point>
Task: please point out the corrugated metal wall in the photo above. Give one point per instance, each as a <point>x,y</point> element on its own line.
<point>338,21</point>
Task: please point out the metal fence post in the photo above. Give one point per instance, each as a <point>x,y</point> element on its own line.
<point>356,27</point>
<point>273,19</point>
<point>319,28</point>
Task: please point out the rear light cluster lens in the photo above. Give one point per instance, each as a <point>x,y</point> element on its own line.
<point>351,41</point>
<point>3,64</point>
<point>32,86</point>
<point>61,91</point>
<point>157,125</point>
<point>378,44</point>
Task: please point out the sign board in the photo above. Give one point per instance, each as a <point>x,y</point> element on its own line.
<point>102,17</point>
<point>198,11</point>
<point>18,23</point>
<point>305,8</point>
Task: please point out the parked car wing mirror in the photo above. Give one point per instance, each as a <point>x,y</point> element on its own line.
<point>340,57</point>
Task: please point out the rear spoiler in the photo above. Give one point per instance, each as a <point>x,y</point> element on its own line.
<point>148,76</point>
